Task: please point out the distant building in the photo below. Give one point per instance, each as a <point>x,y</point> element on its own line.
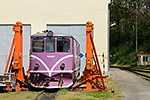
<point>143,58</point>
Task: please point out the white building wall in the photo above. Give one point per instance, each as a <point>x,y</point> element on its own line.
<point>39,13</point>
<point>140,59</point>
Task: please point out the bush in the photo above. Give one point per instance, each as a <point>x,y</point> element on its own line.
<point>125,54</point>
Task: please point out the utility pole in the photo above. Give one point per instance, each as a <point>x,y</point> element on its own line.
<point>136,23</point>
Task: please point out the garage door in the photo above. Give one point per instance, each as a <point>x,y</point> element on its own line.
<point>6,37</point>
<point>77,31</point>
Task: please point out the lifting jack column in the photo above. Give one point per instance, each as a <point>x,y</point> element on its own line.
<point>92,75</point>
<point>15,55</point>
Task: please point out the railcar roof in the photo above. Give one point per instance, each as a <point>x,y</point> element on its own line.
<point>55,35</point>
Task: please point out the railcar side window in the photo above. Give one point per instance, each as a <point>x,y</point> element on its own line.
<point>50,45</point>
<point>38,45</point>
<point>63,45</point>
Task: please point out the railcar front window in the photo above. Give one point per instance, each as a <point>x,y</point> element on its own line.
<point>50,45</point>
<point>38,45</point>
<point>63,45</point>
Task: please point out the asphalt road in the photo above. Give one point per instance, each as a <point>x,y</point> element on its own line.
<point>132,86</point>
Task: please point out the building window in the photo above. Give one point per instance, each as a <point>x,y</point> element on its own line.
<point>50,45</point>
<point>38,45</point>
<point>145,58</point>
<point>63,45</point>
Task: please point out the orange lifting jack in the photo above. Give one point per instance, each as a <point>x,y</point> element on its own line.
<point>15,55</point>
<point>92,75</point>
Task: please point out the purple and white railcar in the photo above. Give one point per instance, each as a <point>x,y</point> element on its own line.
<point>55,61</point>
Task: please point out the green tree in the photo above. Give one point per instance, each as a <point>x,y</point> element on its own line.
<point>122,35</point>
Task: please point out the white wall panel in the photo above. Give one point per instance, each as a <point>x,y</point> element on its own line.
<point>6,38</point>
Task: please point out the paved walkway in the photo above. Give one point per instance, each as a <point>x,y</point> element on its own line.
<point>132,86</point>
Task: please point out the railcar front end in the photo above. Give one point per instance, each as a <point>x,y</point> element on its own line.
<point>55,61</point>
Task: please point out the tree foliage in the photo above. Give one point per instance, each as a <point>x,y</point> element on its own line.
<point>125,14</point>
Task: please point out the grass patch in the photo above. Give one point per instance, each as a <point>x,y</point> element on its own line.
<point>99,95</point>
<point>18,95</point>
<point>28,97</point>
<point>63,91</point>
<point>143,68</point>
<point>64,94</point>
<point>74,99</point>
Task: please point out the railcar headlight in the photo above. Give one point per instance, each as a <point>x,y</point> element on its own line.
<point>36,65</point>
<point>62,66</point>
<point>50,33</point>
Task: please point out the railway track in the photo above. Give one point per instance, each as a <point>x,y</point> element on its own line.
<point>47,94</point>
<point>140,72</point>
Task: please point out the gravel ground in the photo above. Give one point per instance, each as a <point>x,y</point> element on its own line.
<point>132,86</point>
